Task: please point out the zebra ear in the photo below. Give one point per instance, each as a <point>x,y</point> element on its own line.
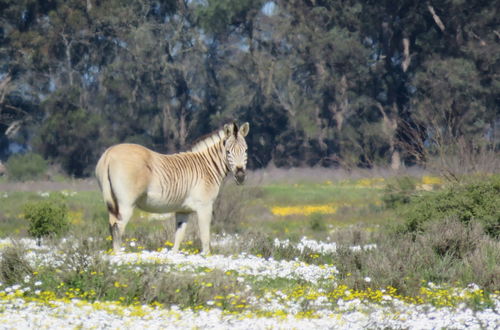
<point>244,129</point>
<point>228,130</point>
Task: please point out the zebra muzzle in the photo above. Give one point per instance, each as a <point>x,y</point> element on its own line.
<point>239,175</point>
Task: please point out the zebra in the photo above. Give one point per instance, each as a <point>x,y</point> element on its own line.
<point>130,175</point>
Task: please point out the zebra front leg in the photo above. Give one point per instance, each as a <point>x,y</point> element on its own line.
<point>181,220</point>
<point>204,219</point>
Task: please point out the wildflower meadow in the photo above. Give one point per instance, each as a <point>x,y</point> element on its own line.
<point>322,272</point>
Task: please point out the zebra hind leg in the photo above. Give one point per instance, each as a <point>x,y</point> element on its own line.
<point>181,220</point>
<point>115,232</point>
<point>117,224</point>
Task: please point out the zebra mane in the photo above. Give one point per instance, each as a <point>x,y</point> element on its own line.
<point>207,141</point>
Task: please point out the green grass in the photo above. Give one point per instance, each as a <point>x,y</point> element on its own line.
<point>315,193</point>
<point>355,205</point>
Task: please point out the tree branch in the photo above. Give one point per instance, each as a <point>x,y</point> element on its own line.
<point>3,87</point>
<point>406,54</point>
<point>436,18</point>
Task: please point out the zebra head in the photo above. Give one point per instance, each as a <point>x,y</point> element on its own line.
<point>236,150</point>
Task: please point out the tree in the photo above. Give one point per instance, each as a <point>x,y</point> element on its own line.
<point>68,134</point>
<point>332,83</point>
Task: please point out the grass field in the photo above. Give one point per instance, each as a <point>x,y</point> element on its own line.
<point>275,206</point>
<point>288,251</point>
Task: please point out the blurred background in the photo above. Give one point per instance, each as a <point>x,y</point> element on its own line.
<point>350,84</point>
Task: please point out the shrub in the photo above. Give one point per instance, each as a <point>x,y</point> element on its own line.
<point>46,218</point>
<point>22,167</point>
<point>13,264</point>
<point>445,252</point>
<point>477,201</point>
<point>399,192</point>
<point>231,206</point>
<point>82,272</point>
<point>316,222</point>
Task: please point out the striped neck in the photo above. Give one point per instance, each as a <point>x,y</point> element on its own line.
<point>208,141</point>
<point>211,149</point>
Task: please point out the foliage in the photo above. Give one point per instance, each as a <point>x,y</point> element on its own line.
<point>316,222</point>
<point>472,202</point>
<point>13,264</point>
<point>84,274</point>
<point>231,207</point>
<point>65,135</point>
<point>399,191</point>
<point>24,167</point>
<point>357,83</point>
<point>46,218</point>
<point>443,252</point>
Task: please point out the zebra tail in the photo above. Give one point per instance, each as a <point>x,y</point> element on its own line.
<point>105,182</point>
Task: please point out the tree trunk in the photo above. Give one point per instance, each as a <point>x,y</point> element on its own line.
<point>166,122</point>
<point>182,128</point>
<point>406,54</point>
<point>4,84</point>
<point>390,127</point>
<point>67,45</point>
<point>436,18</point>
<point>340,109</point>
<point>395,160</point>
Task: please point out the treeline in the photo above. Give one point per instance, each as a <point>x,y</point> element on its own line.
<point>322,82</point>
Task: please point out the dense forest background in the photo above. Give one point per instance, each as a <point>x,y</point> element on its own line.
<point>357,83</point>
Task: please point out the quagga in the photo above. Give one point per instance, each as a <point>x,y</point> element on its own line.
<point>130,176</point>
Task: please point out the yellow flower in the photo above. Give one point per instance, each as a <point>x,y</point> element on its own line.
<point>304,209</point>
<point>370,183</point>
<point>432,180</point>
<point>76,217</point>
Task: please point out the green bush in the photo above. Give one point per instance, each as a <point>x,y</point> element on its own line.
<point>445,252</point>
<point>22,167</point>
<point>317,222</point>
<point>46,218</point>
<point>399,192</point>
<point>13,264</point>
<point>477,201</point>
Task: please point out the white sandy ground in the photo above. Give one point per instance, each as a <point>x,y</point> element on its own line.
<point>20,313</point>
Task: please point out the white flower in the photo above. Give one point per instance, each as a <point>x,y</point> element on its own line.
<point>473,287</point>
<point>38,283</point>
<point>367,279</point>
